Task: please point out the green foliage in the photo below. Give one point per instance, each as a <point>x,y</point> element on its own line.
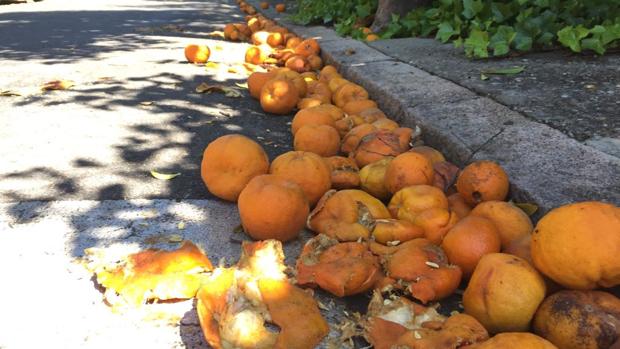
<point>487,28</point>
<point>343,14</point>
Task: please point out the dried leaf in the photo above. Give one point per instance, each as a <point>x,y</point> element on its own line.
<point>174,238</point>
<point>238,229</point>
<point>8,93</point>
<point>232,70</point>
<point>212,65</point>
<point>206,88</point>
<point>218,48</point>
<point>528,208</point>
<point>349,52</point>
<point>216,33</point>
<point>164,176</point>
<point>244,85</point>
<point>57,85</point>
<point>484,74</point>
<point>232,92</point>
<point>181,225</point>
<point>146,103</point>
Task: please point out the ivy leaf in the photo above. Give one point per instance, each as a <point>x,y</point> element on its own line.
<point>593,44</point>
<point>571,37</point>
<point>445,32</point>
<point>471,8</point>
<point>476,45</point>
<point>523,42</point>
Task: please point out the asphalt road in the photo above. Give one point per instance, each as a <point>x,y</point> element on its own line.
<point>133,107</point>
<point>76,163</point>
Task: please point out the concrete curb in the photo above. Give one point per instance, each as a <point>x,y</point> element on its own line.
<point>545,166</point>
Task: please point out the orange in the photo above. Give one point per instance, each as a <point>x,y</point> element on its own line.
<point>279,96</point>
<point>322,140</point>
<point>309,76</point>
<point>197,53</point>
<point>469,240</point>
<point>579,319</point>
<point>297,63</point>
<point>366,31</point>
<point>311,116</point>
<point>372,178</point>
<point>295,78</point>
<point>511,222</point>
<point>436,223</point>
<point>256,81</point>
<point>293,42</point>
<point>347,93</point>
<point>264,5</point>
<point>254,24</point>
<point>328,72</point>
<point>390,230</point>
<point>458,205</point>
<point>280,7</point>
<point>432,154</point>
<point>229,163</point>
<point>257,54</point>
<point>357,106</point>
<point>308,102</point>
<point>308,48</point>
<point>336,82</point>
<point>504,293</point>
<point>272,207</point>
<point>315,62</point>
<point>409,202</point>
<point>353,138</point>
<point>482,181</point>
<point>345,173</point>
<point>308,170</point>
<point>408,169</point>
<point>385,124</point>
<point>515,340</point>
<point>578,245</point>
<point>376,146</point>
<point>372,37</point>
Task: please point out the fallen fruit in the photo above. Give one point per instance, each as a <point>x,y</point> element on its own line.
<point>346,215</point>
<point>279,96</point>
<point>469,240</point>
<point>229,163</point>
<point>577,245</point>
<point>272,207</point>
<point>308,170</point>
<point>197,53</point>
<point>408,169</point>
<point>343,269</point>
<point>482,181</point>
<point>345,173</point>
<point>280,7</point>
<point>322,140</point>
<point>511,222</point>
<point>153,275</point>
<point>504,293</point>
<point>372,177</point>
<point>579,319</point>
<point>515,340</point>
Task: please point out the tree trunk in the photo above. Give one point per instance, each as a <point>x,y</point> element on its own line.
<point>388,7</point>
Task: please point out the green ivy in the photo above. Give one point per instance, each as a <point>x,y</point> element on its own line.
<point>486,28</point>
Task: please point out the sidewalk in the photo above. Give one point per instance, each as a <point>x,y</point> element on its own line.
<point>554,127</point>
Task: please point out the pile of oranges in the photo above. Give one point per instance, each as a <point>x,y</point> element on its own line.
<point>394,216</point>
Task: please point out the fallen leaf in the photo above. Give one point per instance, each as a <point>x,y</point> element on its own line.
<point>484,74</point>
<point>174,238</point>
<point>527,207</point>
<point>238,229</point>
<point>8,93</point>
<point>232,92</point>
<point>57,85</point>
<point>164,176</point>
<point>349,52</point>
<point>232,70</point>
<point>218,48</point>
<point>147,103</point>
<point>244,85</point>
<point>181,225</point>
<point>212,65</point>
<point>216,33</point>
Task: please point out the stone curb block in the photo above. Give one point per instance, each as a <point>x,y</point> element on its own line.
<point>544,165</point>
